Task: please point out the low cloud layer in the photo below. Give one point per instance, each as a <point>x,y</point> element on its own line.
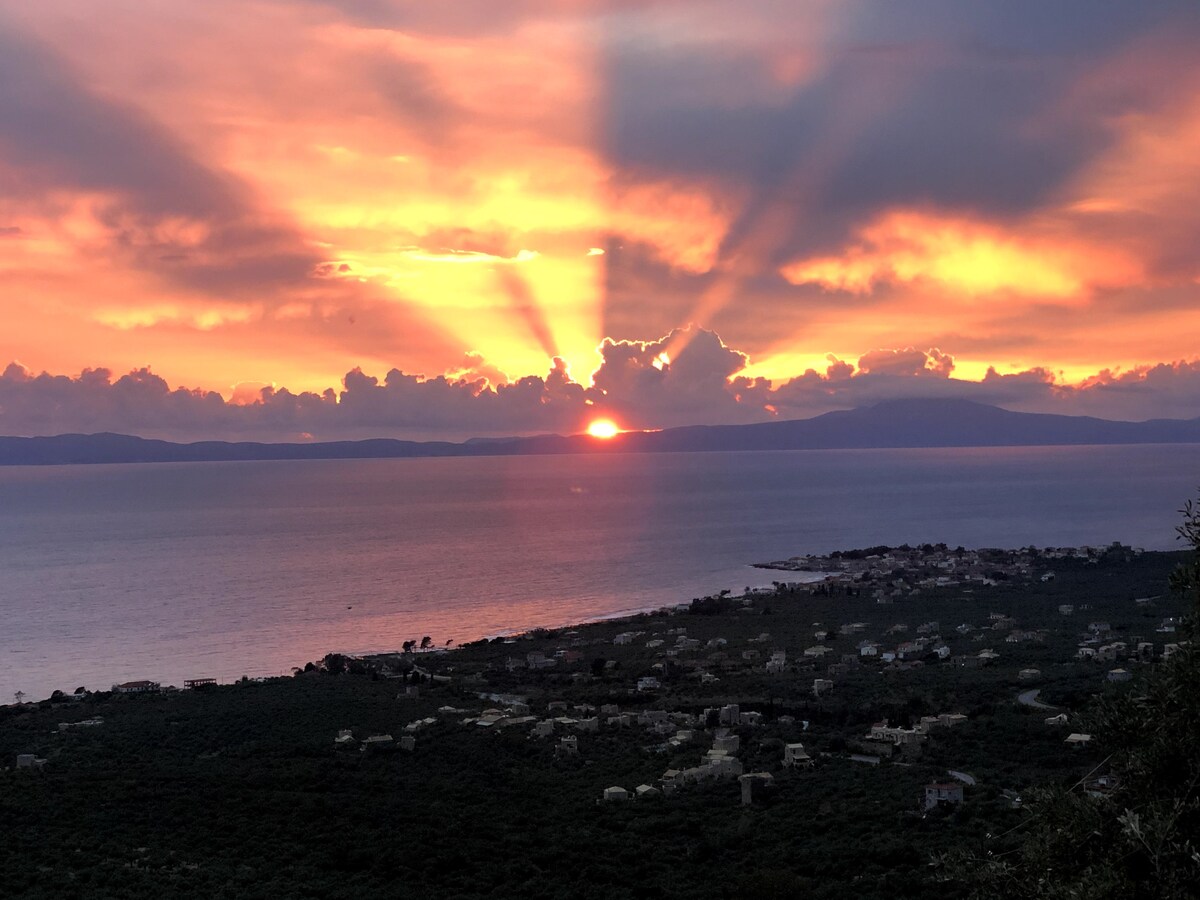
<point>638,383</point>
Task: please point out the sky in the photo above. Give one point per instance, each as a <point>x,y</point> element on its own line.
<point>317,219</point>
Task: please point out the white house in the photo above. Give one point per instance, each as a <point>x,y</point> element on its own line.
<point>728,743</point>
<point>795,755</point>
<point>950,792</point>
<point>136,687</point>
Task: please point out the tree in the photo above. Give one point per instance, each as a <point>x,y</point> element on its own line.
<point>1143,838</point>
<point>426,642</point>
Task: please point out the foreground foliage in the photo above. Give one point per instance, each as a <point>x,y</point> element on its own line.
<point>1142,837</point>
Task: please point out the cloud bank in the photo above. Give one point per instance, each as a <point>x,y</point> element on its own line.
<point>637,383</point>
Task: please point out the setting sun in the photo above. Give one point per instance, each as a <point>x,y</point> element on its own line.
<point>603,428</point>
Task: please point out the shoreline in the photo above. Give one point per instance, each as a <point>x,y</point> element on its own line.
<point>515,633</point>
<point>805,577</point>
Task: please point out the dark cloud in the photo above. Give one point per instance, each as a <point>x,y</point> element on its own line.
<point>412,91</point>
<point>635,383</point>
<point>909,362</point>
<point>931,104</point>
<point>168,213</point>
<point>164,211</point>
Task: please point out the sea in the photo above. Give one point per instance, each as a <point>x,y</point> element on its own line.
<point>112,573</point>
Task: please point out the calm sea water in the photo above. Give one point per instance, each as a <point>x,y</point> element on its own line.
<point>111,573</point>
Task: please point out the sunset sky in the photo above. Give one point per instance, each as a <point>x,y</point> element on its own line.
<point>297,219</point>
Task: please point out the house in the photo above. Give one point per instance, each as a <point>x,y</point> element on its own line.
<point>1117,676</point>
<point>1028,674</point>
<point>721,765</point>
<point>754,782</point>
<point>345,738</point>
<point>29,761</point>
<point>615,793</point>
<point>544,728</point>
<point>408,743</point>
<point>569,745</point>
<point>795,755</point>
<point>939,792</point>
<point>378,742</point>
<point>1075,741</point>
<point>1101,787</point>
<point>84,723</point>
<point>1060,719</point>
<point>821,686</point>
<point>648,683</point>
<point>862,758</point>
<point>642,791</point>
<point>192,683</point>
<point>136,687</point>
<point>727,743</point>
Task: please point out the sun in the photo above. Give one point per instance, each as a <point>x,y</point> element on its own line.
<point>603,429</point>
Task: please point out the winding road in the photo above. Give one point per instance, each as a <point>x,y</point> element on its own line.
<point>1030,698</point>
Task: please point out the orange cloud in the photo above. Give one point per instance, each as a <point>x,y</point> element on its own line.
<point>968,257</point>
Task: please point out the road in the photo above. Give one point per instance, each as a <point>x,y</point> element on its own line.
<point>1029,698</point>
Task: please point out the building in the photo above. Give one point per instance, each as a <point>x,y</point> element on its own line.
<point>939,792</point>
<point>615,793</point>
<point>794,755</point>
<point>754,783</point>
<point>727,743</point>
<point>136,687</point>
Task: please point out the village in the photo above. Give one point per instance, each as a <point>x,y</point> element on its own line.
<point>656,673</point>
<point>822,701</point>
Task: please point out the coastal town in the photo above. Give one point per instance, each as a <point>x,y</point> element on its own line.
<point>931,684</point>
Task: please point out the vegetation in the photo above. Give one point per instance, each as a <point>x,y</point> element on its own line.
<point>238,790</point>
<point>1139,835</point>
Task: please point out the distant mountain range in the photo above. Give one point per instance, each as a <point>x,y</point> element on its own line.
<point>896,423</point>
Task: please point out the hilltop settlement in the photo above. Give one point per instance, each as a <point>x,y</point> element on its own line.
<point>815,739</point>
